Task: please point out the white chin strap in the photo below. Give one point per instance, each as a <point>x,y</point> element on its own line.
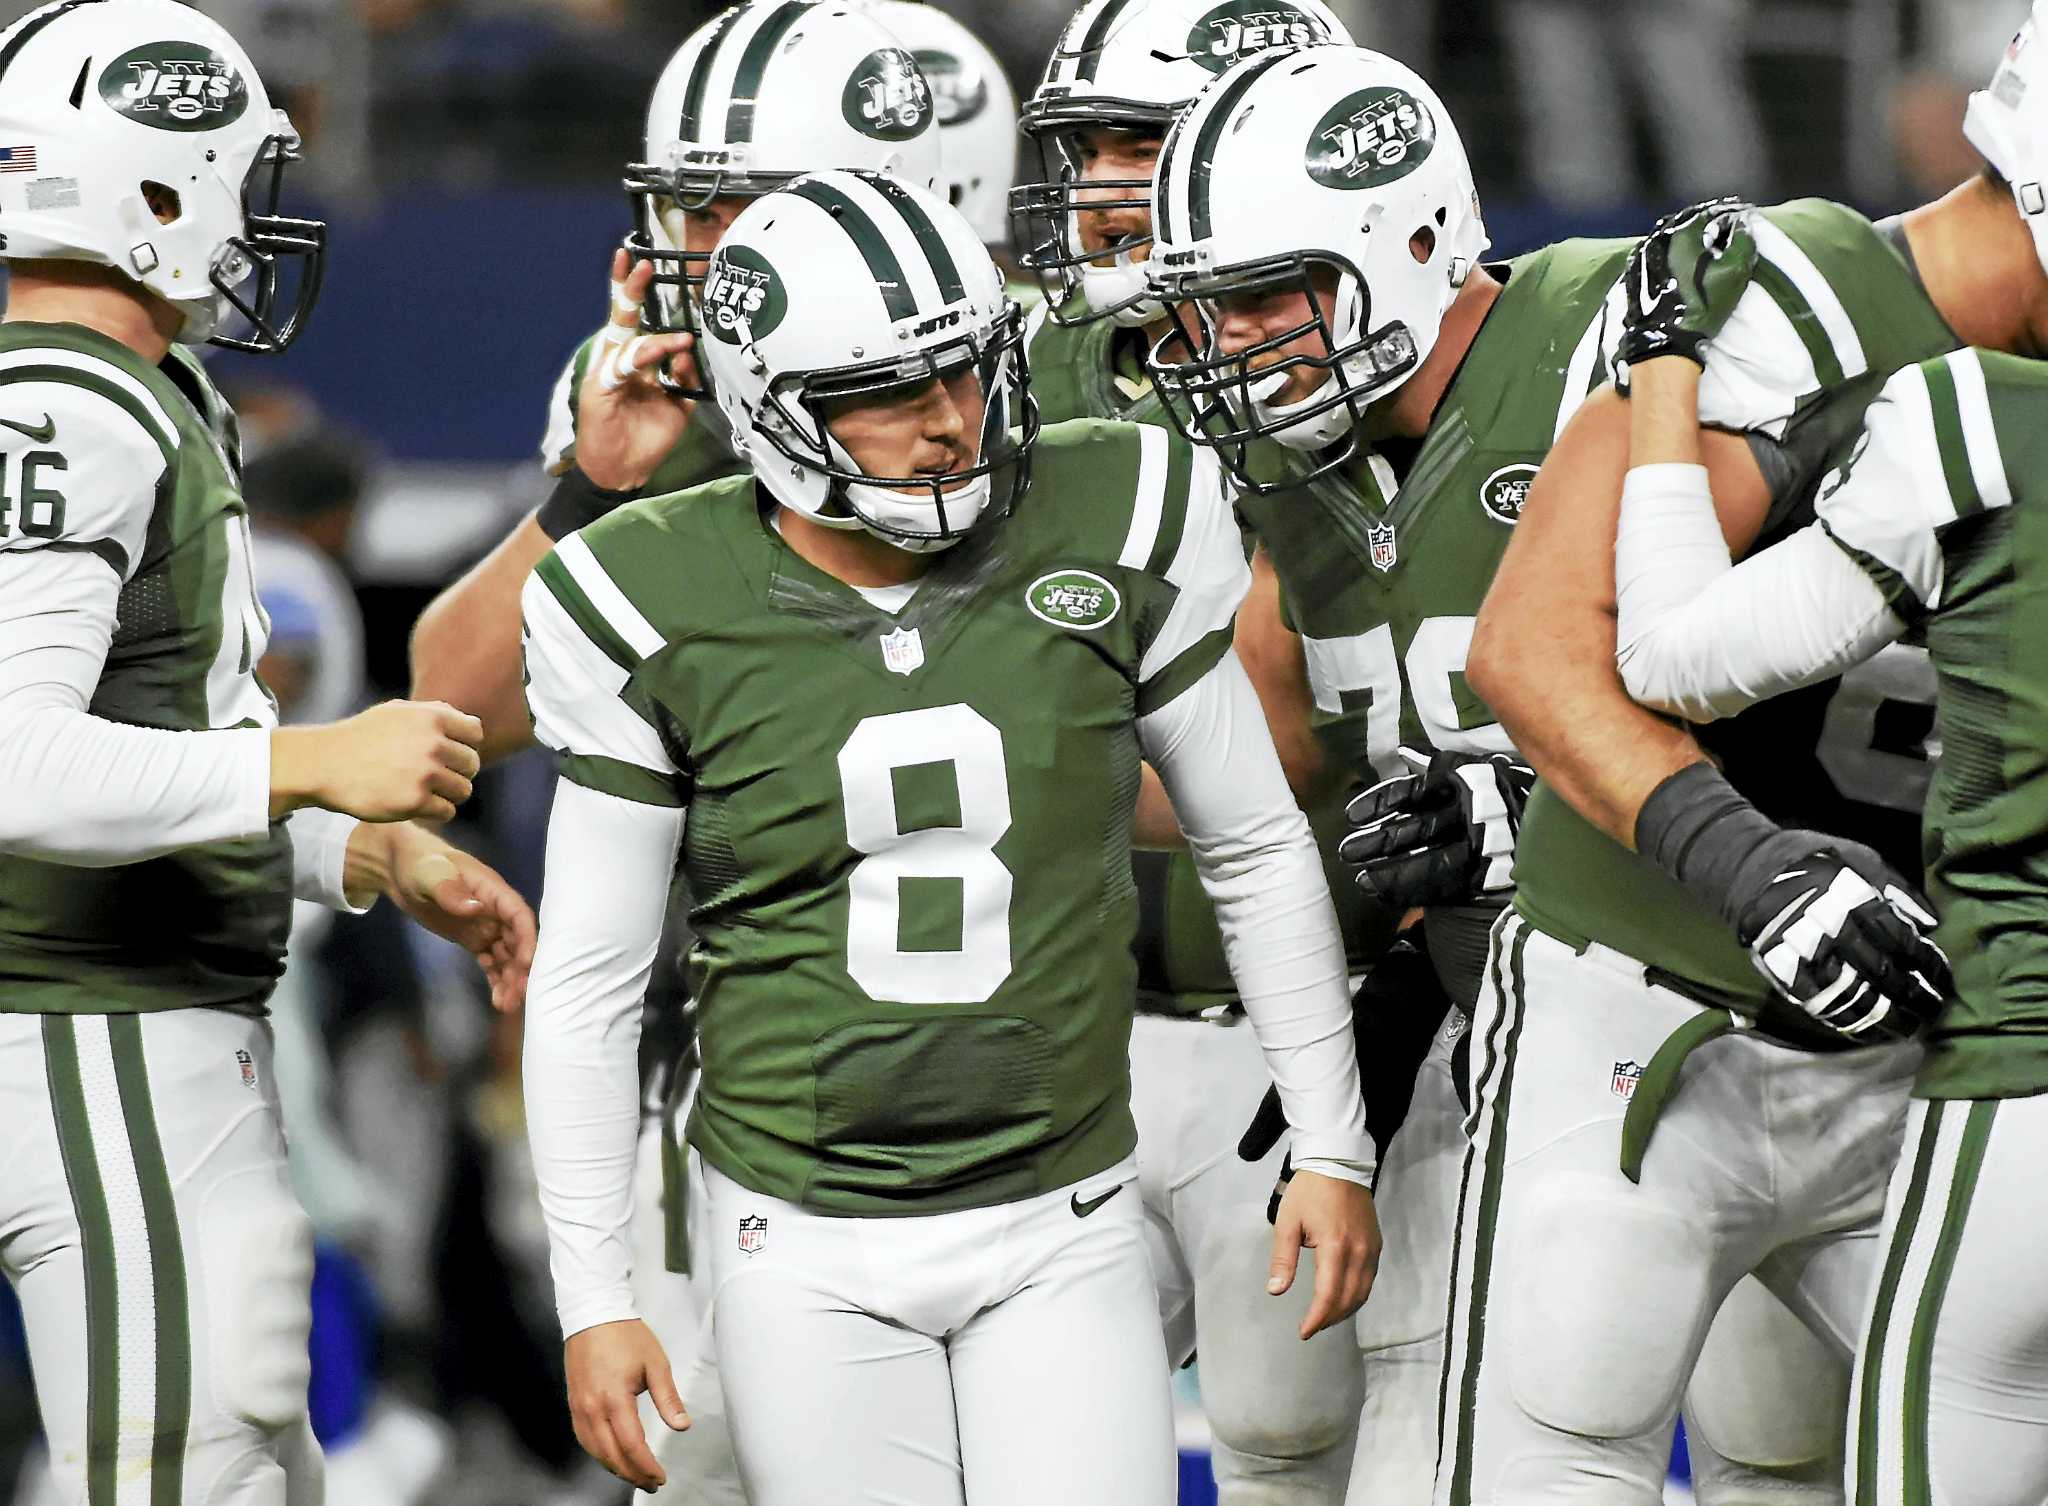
<point>1110,287</point>
<point>905,518</point>
<point>1308,431</point>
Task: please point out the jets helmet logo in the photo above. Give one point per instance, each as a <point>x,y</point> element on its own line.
<point>887,96</point>
<point>743,298</point>
<point>1239,28</point>
<point>175,86</point>
<point>1370,139</point>
<point>959,92</point>
<point>1078,599</point>
<point>1506,492</point>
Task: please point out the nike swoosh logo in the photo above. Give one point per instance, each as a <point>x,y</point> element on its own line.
<point>42,435</point>
<point>1082,1210</point>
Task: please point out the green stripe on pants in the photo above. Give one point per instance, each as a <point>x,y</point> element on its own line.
<point>96,1248</point>
<point>1489,1214</point>
<point>1927,1315</point>
<point>166,1264</point>
<point>1867,1404</point>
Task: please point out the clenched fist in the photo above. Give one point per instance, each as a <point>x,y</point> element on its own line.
<point>400,761</point>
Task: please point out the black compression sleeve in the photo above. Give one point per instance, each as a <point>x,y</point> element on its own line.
<point>575,502</point>
<point>1700,829</point>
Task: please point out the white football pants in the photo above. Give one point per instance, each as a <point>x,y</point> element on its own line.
<point>1582,1300</point>
<point>148,1225</point>
<point>1952,1381</point>
<point>1281,1412</point>
<point>1002,1356</point>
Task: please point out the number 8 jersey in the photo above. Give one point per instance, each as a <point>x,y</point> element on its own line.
<point>908,823</point>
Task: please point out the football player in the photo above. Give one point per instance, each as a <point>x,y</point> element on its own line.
<point>157,823</point>
<point>1281,1416</point>
<point>902,706</point>
<point>759,94</point>
<point>1926,525</point>
<point>1848,755</point>
<point>1340,306</point>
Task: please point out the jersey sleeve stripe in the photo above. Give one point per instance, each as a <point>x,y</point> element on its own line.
<point>1823,314</point>
<point>118,396</point>
<point>1827,369</point>
<point>1186,668</point>
<point>1589,358</point>
<point>612,604</point>
<point>90,371</point>
<point>616,777</point>
<point>553,574</point>
<point>1980,432</point>
<point>106,549</point>
<point>1172,542</point>
<point>1150,499</point>
<point>1949,443</point>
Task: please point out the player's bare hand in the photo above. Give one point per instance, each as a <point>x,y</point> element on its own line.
<point>627,418</point>
<point>458,897</point>
<point>609,1366</point>
<point>1336,1219</point>
<point>400,761</point>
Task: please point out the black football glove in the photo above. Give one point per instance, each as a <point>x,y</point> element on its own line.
<point>1684,281</point>
<point>1826,921</point>
<point>1442,836</point>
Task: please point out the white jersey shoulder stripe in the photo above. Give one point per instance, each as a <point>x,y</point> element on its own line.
<point>611,603</point>
<point>1778,248</point>
<point>104,370</point>
<point>1980,433</point>
<point>1600,338</point>
<point>1149,505</point>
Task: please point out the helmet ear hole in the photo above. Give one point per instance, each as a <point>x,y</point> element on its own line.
<point>1422,245</point>
<point>163,202</point>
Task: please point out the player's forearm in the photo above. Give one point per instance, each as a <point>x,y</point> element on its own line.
<point>465,647</point>
<point>1258,864</point>
<point>607,862</point>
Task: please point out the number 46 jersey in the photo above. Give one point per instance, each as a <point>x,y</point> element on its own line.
<point>908,832</point>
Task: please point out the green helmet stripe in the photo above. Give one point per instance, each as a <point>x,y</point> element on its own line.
<point>1162,198</point>
<point>929,240</point>
<point>33,25</point>
<point>867,237</point>
<point>746,84</point>
<point>1199,227</point>
<point>700,77</point>
<point>1098,33</point>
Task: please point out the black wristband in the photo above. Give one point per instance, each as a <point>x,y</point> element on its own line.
<point>575,502</point>
<point>1701,830</point>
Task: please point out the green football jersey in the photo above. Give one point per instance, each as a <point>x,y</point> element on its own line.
<point>908,831</point>
<point>140,465</point>
<point>1843,307</point>
<point>1941,500</point>
<point>704,453</point>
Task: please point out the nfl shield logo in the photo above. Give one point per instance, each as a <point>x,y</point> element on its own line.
<point>1626,1076</point>
<point>248,1066</point>
<point>753,1234</point>
<point>1381,537</point>
<point>903,651</point>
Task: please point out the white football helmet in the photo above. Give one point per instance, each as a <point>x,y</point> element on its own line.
<point>1132,65</point>
<point>106,105</point>
<point>851,283</point>
<point>758,95</point>
<point>2008,123</point>
<point>1328,162</point>
<point>976,107</point>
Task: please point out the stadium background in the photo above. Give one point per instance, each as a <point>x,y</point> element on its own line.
<point>467,155</point>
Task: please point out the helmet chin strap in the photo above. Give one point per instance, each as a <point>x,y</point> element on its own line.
<point>1113,288</point>
<point>878,508</point>
<point>1310,430</point>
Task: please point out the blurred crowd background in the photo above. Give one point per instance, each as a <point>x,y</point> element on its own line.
<point>467,154</point>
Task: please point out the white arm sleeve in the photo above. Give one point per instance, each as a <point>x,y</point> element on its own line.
<point>1258,864</point>
<point>608,864</point>
<point>1699,637</point>
<point>320,857</point>
<point>76,788</point>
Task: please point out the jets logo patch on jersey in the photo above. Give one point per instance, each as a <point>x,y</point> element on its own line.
<point>743,296</point>
<point>1506,492</point>
<point>887,96</point>
<point>1078,599</point>
<point>1370,139</point>
<point>175,86</point>
<point>959,92</point>
<point>1238,28</point>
